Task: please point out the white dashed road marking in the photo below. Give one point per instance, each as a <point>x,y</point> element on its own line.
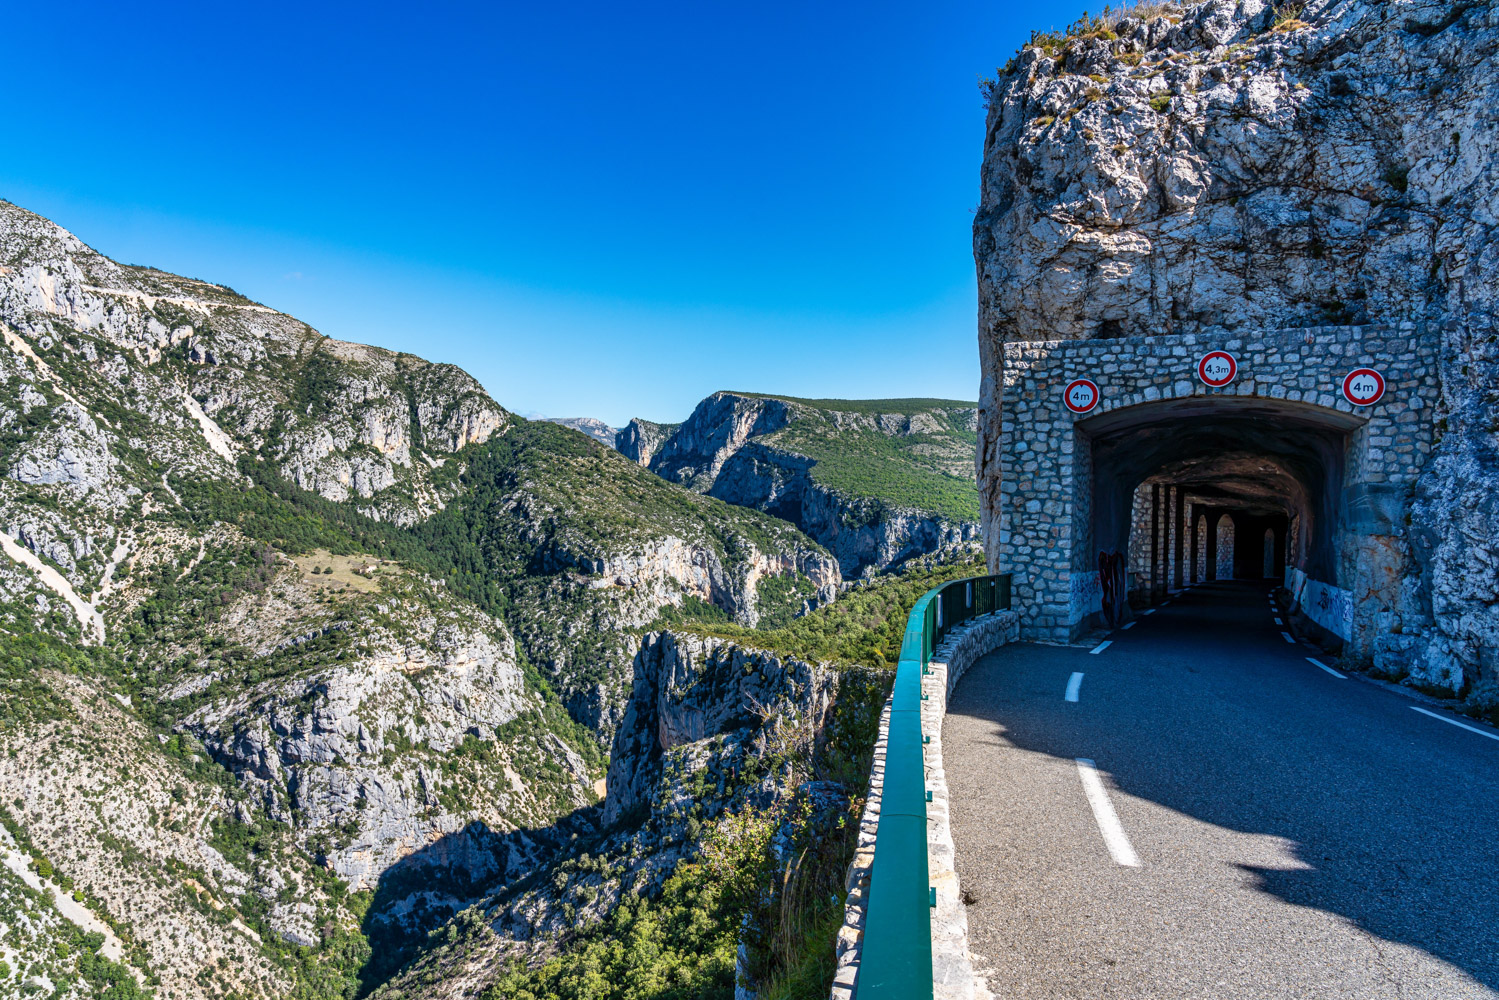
<point>1103,812</point>
<point>1287,636</point>
<point>1279,622</point>
<point>1460,725</point>
<point>1319,663</point>
<point>1148,611</point>
<point>1073,684</point>
<point>1101,647</point>
<point>1129,624</point>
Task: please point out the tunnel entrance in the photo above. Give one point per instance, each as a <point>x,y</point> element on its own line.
<point>1163,481</point>
<point>1214,488</point>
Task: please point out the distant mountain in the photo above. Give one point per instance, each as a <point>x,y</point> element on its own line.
<point>594,428</point>
<point>640,439</point>
<point>875,481</point>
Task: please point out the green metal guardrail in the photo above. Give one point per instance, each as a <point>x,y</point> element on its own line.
<point>896,956</point>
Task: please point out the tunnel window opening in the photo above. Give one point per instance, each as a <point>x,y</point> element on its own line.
<point>1225,532</point>
<point>1201,569</point>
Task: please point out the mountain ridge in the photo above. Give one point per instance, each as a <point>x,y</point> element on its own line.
<point>369,631</point>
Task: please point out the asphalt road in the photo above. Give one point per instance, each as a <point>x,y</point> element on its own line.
<point>1295,834</point>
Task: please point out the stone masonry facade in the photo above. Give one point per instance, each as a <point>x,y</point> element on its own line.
<point>1046,459</point>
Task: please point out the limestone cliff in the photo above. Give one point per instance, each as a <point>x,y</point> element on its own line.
<point>715,734</point>
<point>875,481</point>
<point>639,440</point>
<point>1231,166</point>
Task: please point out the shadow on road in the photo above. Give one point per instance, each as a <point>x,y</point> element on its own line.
<point>1203,709</point>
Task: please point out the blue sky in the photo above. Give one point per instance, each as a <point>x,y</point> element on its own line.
<point>597,209</point>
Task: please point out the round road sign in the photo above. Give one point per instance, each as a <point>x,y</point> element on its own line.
<point>1363,386</point>
<point>1217,369</point>
<point>1081,395</point>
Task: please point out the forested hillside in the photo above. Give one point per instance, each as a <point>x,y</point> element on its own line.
<point>308,644</point>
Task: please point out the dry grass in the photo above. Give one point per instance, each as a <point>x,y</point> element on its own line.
<point>356,572</point>
<point>1288,18</point>
<point>1100,26</point>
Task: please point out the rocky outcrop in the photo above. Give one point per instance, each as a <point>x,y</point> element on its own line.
<point>719,426</point>
<point>318,748</point>
<point>713,731</point>
<point>688,690</point>
<point>1234,166</point>
<point>220,377</point>
<point>640,440</point>
<point>592,426</point>
<point>700,571</point>
<point>742,449</point>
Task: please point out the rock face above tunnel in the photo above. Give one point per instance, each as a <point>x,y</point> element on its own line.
<point>1223,170</point>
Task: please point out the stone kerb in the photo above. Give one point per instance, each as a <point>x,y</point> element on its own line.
<point>952,965</point>
<point>851,934</point>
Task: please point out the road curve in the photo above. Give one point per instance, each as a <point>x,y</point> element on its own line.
<point>1296,834</point>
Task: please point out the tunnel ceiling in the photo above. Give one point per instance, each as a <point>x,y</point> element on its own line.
<point>1264,454</point>
<point>1244,481</point>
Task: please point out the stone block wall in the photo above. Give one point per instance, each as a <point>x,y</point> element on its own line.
<point>1045,511</point>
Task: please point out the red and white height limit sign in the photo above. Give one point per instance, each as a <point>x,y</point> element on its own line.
<point>1081,395</point>
<point>1217,369</point>
<point>1363,386</point>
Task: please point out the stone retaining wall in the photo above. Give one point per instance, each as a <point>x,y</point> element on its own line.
<point>1045,512</point>
<point>952,965</point>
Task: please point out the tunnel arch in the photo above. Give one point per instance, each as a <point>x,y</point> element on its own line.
<point>1279,445</point>
<point>1267,461</point>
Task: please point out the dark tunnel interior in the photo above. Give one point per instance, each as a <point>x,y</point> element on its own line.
<point>1268,463</point>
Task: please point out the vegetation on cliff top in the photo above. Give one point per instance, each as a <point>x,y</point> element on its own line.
<point>912,453</point>
<point>864,627</point>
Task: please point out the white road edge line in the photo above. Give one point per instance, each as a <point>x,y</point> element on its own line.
<point>1100,648</point>
<point>1287,636</point>
<point>1073,683</point>
<point>1319,663</point>
<point>1129,624</point>
<point>1103,811</point>
<point>1460,725</point>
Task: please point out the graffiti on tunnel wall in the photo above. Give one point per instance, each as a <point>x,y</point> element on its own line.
<point>1328,606</point>
<point>1087,595</point>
